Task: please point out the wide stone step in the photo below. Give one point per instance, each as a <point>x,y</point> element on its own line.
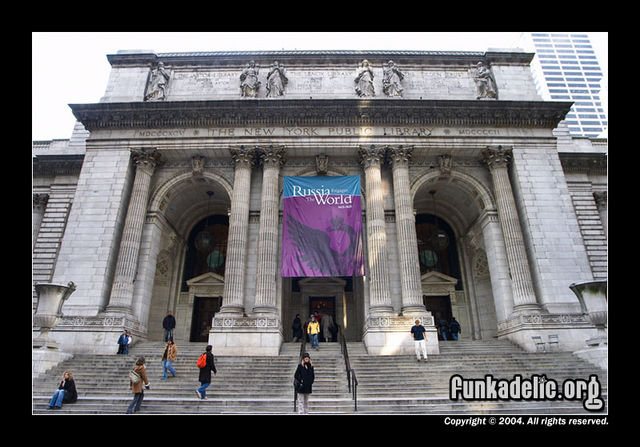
<point>262,385</point>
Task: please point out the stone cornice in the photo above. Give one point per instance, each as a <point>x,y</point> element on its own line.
<point>347,57</point>
<point>57,164</point>
<point>319,112</point>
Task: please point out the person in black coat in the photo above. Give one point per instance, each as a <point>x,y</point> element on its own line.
<point>297,328</point>
<point>66,392</point>
<point>305,377</point>
<point>168,324</point>
<point>205,374</point>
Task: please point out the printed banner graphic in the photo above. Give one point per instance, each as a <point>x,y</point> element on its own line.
<point>322,227</point>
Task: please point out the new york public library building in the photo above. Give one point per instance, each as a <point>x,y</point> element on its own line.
<point>468,199</point>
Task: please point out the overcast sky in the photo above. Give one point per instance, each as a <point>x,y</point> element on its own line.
<point>72,68</point>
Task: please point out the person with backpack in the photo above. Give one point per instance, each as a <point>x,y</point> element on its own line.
<point>206,364</point>
<point>454,328</point>
<point>137,377</point>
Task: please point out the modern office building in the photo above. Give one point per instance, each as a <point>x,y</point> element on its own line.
<point>566,68</point>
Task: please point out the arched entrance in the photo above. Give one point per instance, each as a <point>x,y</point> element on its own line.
<point>188,280</point>
<point>450,249</point>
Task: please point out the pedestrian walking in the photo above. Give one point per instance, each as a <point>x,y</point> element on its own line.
<point>443,327</point>
<point>419,334</point>
<point>168,357</point>
<point>205,373</point>
<point>304,377</point>
<point>454,328</point>
<point>313,329</point>
<point>136,388</point>
<point>168,324</point>
<point>66,392</point>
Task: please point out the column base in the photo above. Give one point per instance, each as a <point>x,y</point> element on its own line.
<point>391,335</point>
<point>258,335</point>
<point>540,332</point>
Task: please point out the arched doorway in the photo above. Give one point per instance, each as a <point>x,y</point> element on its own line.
<point>186,209</point>
<point>448,211</point>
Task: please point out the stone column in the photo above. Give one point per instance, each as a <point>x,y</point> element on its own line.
<point>524,298</point>
<point>121,298</point>
<point>378,274</point>
<point>236,264</point>
<point>272,158</point>
<point>406,229</point>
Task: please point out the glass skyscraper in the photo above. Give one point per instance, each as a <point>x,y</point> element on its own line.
<point>565,68</point>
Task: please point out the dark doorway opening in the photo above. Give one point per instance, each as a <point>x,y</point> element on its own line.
<point>204,309</point>
<point>440,308</point>
<point>326,307</point>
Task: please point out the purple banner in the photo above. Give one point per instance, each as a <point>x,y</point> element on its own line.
<point>322,227</point>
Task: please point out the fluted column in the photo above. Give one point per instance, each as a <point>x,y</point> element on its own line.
<point>524,298</point>
<point>235,266</point>
<point>378,274</point>
<point>406,231</point>
<point>272,158</point>
<point>121,298</point>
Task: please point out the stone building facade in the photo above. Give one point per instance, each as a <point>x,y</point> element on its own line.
<point>477,204</point>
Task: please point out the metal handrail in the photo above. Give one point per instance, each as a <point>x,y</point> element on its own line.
<point>303,348</point>
<point>351,374</point>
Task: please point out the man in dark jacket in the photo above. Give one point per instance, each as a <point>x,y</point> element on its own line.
<point>169,323</point>
<point>205,374</point>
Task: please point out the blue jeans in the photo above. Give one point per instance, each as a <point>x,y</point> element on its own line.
<point>203,389</point>
<point>168,334</point>
<point>454,335</point>
<point>166,365</point>
<point>56,399</point>
<point>314,340</point>
<point>135,403</point>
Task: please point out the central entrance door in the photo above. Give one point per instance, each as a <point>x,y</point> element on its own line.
<point>204,309</point>
<point>326,308</point>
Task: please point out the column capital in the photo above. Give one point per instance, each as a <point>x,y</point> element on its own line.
<point>497,156</point>
<point>243,155</point>
<point>146,158</point>
<point>399,155</point>
<point>371,155</point>
<point>271,155</point>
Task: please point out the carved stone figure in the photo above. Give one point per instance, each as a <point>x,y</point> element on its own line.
<point>364,80</point>
<point>322,163</point>
<point>157,86</point>
<point>276,80</point>
<point>249,83</point>
<point>485,82</point>
<point>391,77</point>
<point>197,165</point>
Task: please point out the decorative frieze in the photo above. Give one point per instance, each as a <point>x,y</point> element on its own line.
<point>318,112</point>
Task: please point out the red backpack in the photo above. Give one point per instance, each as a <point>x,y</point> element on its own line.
<point>202,361</point>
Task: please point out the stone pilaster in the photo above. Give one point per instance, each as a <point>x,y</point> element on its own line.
<point>524,297</point>
<point>406,231</point>
<point>272,158</point>
<point>378,273</point>
<point>121,299</point>
<point>39,204</point>
<point>235,267</point>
